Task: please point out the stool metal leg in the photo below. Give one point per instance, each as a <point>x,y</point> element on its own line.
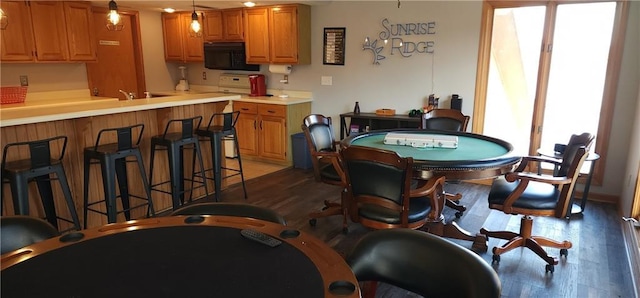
<point>176,176</point>
<point>20,194</point>
<point>109,186</point>
<point>198,151</point>
<point>123,185</point>
<point>46,195</point>
<point>145,182</point>
<point>87,167</point>
<point>62,178</point>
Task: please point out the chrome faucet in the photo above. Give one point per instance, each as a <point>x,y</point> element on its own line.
<point>129,96</point>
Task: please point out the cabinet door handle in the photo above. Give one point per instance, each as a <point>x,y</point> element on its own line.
<point>254,124</point>
<point>261,124</point>
<point>272,112</point>
<point>244,109</point>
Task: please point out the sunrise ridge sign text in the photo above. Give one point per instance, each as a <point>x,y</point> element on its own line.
<point>400,39</point>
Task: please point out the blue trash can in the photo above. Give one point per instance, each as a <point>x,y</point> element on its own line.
<point>301,156</point>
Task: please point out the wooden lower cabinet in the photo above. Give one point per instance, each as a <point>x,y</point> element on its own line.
<point>264,130</point>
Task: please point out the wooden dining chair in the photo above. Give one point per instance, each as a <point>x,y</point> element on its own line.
<point>327,167</point>
<point>452,120</point>
<point>380,191</point>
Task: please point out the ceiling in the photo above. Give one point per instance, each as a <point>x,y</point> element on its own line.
<point>186,5</point>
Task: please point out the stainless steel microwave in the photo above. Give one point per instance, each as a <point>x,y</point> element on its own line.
<point>227,56</point>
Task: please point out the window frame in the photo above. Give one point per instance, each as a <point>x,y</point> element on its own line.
<point>611,78</point>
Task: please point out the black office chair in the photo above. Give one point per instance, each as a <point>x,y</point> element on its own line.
<point>232,209</point>
<point>19,231</point>
<point>453,120</point>
<point>530,194</point>
<point>327,168</point>
<point>421,263</point>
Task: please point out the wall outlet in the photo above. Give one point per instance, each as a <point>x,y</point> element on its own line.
<point>204,75</point>
<point>24,81</point>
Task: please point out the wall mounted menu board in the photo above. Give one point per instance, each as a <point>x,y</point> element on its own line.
<point>334,39</point>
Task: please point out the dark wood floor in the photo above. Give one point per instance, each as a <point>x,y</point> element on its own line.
<point>597,265</point>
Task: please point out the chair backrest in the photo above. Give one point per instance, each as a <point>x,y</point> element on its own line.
<point>585,140</point>
<point>445,119</point>
<point>19,231</point>
<point>224,122</point>
<point>422,263</point>
<point>575,156</point>
<point>379,177</point>
<point>40,151</point>
<point>126,137</point>
<point>186,127</point>
<point>232,209</point>
<point>318,133</point>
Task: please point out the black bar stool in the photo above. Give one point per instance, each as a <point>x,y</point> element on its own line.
<point>222,128</point>
<point>175,143</point>
<point>112,158</point>
<point>39,167</point>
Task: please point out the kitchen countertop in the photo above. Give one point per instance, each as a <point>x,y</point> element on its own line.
<point>87,106</point>
<point>244,97</point>
<point>69,104</point>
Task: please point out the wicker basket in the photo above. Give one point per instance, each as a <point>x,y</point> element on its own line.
<point>13,95</point>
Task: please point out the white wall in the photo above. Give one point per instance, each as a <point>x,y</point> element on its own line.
<point>398,83</point>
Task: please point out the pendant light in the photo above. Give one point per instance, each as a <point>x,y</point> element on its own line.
<point>195,29</point>
<point>114,21</point>
<point>3,20</point>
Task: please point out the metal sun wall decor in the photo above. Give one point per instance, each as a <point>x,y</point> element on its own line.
<point>395,34</point>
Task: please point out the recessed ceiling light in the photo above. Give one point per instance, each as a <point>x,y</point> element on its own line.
<point>169,10</point>
<point>249,4</point>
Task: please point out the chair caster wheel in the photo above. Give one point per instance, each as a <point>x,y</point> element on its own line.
<point>564,252</point>
<point>496,259</point>
<point>549,268</point>
<point>459,214</point>
<point>312,222</point>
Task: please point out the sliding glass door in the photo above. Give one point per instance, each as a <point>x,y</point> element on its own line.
<point>545,72</point>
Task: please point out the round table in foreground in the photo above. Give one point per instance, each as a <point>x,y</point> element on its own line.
<point>178,256</point>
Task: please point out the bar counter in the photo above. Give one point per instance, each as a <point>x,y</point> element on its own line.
<point>80,118</point>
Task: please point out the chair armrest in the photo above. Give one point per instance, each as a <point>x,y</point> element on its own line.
<point>527,159</point>
<point>427,188</point>
<point>525,178</point>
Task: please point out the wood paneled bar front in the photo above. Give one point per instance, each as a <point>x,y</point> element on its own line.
<point>81,121</point>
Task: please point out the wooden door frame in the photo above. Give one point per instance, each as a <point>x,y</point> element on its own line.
<point>611,84</point>
<point>137,47</point>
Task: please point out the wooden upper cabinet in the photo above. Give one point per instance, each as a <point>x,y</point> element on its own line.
<point>172,36</point>
<point>213,26</point>
<point>256,35</point>
<point>179,45</point>
<point>287,39</point>
<point>49,30</point>
<point>233,25</point>
<point>223,25</point>
<point>82,43</point>
<point>17,38</point>
<point>193,45</point>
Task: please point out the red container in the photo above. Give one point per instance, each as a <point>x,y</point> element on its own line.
<point>258,85</point>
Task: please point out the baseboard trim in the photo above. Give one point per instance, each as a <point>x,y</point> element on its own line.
<point>630,233</point>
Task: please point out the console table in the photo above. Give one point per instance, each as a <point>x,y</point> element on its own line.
<point>375,122</point>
